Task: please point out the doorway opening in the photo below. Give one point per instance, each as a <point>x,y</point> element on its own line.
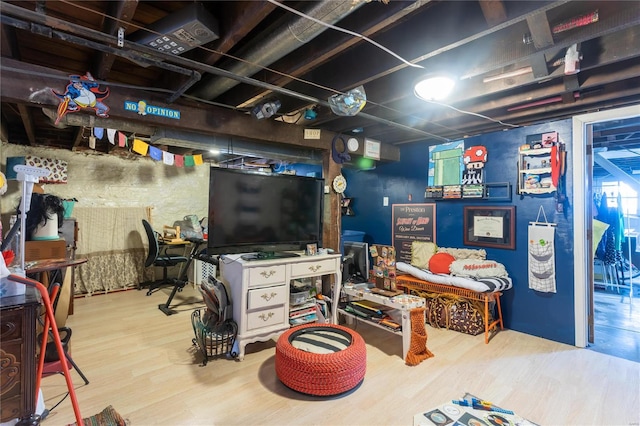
<point>607,292</point>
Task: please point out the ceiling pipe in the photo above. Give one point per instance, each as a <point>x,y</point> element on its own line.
<point>278,43</point>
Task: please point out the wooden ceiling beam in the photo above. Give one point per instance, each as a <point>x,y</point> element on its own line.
<point>27,122</point>
<point>212,120</point>
<point>540,30</point>
<point>310,56</point>
<point>243,17</point>
<point>493,11</point>
<point>122,12</point>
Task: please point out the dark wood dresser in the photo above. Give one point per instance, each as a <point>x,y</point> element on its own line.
<point>18,316</point>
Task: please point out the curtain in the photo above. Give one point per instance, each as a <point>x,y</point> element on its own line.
<point>113,241</point>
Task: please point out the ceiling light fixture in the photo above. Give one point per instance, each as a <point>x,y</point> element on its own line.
<point>434,88</point>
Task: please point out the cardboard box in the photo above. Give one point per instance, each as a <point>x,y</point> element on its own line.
<point>45,249</point>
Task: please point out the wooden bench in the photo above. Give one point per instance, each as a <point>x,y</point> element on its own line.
<point>409,283</point>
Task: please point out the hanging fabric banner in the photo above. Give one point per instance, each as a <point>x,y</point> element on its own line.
<point>122,140</point>
<point>179,160</point>
<point>167,158</point>
<point>111,135</point>
<point>188,161</point>
<point>140,147</point>
<point>542,270</point>
<point>197,160</point>
<point>155,153</point>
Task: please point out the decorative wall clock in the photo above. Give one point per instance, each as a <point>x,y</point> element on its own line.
<point>339,184</point>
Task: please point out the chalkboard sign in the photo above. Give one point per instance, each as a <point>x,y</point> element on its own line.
<point>412,222</point>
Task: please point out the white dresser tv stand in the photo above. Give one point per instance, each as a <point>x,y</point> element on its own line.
<point>260,292</point>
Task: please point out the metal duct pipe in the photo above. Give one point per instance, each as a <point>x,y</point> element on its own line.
<point>277,44</point>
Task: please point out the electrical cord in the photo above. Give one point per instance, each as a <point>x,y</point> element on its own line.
<point>472,113</point>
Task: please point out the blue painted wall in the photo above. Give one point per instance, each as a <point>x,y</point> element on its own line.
<point>547,315</point>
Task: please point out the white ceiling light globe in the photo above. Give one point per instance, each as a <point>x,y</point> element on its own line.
<point>434,88</point>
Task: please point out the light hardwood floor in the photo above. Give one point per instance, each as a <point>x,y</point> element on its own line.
<point>143,363</point>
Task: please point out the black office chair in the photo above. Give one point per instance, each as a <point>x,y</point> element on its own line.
<point>159,258</point>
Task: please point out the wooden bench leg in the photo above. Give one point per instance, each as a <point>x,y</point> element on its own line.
<point>486,319</point>
<point>488,326</point>
<point>497,297</point>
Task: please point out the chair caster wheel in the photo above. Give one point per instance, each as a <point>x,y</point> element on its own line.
<point>149,293</point>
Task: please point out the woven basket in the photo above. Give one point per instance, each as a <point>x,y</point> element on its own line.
<point>321,373</point>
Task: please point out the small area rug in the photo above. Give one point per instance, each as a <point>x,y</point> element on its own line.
<point>107,417</point>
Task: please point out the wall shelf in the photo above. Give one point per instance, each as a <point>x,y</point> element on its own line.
<point>494,191</point>
<point>534,171</point>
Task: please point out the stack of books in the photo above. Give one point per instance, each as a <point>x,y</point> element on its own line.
<point>303,314</point>
<point>373,312</point>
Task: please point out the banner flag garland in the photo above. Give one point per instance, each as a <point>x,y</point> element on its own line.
<point>155,153</point>
<point>111,134</point>
<point>167,158</point>
<point>144,149</point>
<point>140,147</point>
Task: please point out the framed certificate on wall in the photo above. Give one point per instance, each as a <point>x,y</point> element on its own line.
<point>490,226</point>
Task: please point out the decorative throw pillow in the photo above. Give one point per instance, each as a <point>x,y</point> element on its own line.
<point>439,263</point>
<point>462,253</point>
<point>478,268</point>
<point>421,252</point>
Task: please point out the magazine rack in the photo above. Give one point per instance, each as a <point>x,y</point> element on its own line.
<point>214,342</point>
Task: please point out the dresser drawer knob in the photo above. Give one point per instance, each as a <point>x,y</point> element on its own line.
<point>268,297</point>
<point>267,274</point>
<point>266,317</point>
<point>315,268</point>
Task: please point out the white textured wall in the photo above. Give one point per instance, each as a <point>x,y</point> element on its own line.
<point>109,181</point>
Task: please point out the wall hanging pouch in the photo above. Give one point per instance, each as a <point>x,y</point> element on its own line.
<point>541,253</point>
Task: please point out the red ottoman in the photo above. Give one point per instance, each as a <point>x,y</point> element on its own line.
<point>321,359</point>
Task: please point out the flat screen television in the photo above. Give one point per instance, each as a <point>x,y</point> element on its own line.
<point>263,215</point>
<point>355,262</point>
